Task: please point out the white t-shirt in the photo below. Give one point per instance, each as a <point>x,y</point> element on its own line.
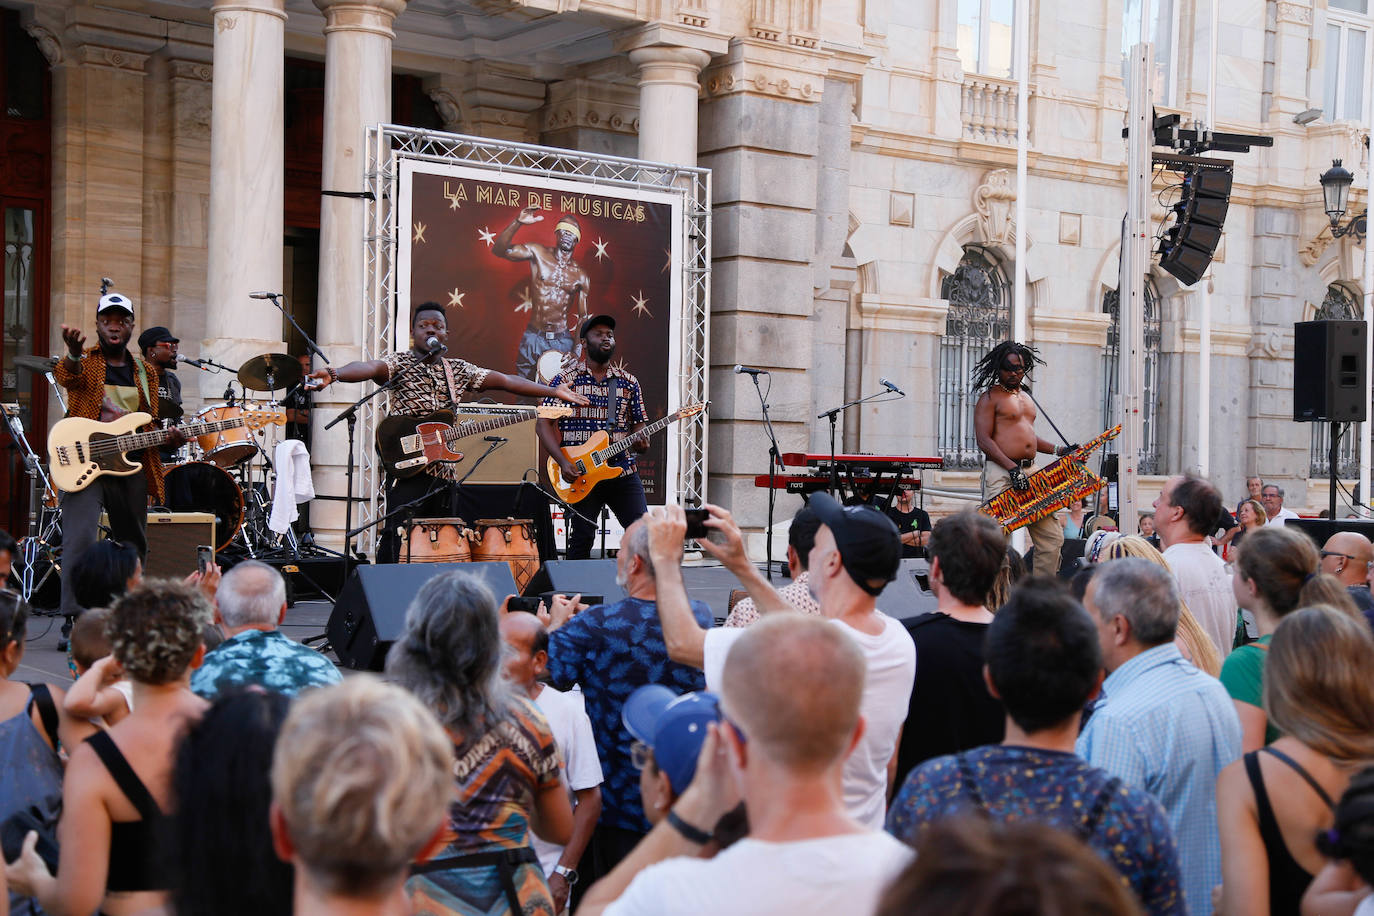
<point>1281,517</point>
<point>1366,907</point>
<point>572,732</point>
<point>1205,586</point>
<point>842,874</point>
<point>891,657</point>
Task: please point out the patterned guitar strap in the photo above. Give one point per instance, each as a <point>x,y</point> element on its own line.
<point>452,383</point>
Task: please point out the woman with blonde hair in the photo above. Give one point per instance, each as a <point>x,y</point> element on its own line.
<point>1250,516</point>
<point>1273,802</point>
<point>1275,574</point>
<point>1192,640</point>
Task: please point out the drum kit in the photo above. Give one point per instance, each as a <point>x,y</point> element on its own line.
<point>228,474</point>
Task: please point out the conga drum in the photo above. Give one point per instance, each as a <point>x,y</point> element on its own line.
<point>437,540</point>
<point>509,539</point>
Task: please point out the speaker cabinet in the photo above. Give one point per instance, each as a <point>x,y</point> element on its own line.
<point>172,541</point>
<point>574,577</point>
<point>510,460</point>
<point>371,610</point>
<point>1329,371</point>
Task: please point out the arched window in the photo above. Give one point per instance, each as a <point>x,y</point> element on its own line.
<point>979,319</point>
<point>1341,304</point>
<point>1153,395</point>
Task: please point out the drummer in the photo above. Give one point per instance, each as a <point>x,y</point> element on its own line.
<point>159,347</point>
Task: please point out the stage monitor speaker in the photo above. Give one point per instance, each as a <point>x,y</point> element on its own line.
<point>1329,371</point>
<point>371,610</point>
<point>1320,529</point>
<point>905,597</point>
<point>507,463</point>
<point>577,577</point>
<point>172,541</point>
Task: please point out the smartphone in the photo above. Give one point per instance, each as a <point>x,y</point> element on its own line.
<point>205,558</point>
<point>696,523</point>
<point>529,605</point>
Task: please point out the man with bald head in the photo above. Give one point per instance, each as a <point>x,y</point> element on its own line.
<point>527,658</point>
<point>1347,555</point>
<point>250,605</point>
<point>609,650</point>
<point>790,701</point>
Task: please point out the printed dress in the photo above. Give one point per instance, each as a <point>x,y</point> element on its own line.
<point>487,867</point>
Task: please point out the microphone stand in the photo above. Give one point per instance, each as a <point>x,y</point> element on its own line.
<point>774,465</point>
<point>309,343</point>
<point>831,415</point>
<point>350,414</point>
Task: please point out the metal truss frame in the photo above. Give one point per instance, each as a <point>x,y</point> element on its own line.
<point>388,145</point>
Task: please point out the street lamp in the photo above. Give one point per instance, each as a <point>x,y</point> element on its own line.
<point>1336,182</point>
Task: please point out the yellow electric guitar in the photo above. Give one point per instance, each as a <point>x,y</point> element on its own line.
<point>592,458</point>
<point>81,451</point>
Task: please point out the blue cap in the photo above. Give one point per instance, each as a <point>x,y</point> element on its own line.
<point>673,727</point>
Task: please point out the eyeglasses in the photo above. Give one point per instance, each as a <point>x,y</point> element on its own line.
<point>640,754</point>
<point>1331,553</point>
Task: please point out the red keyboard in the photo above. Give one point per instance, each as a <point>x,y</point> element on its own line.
<point>885,462</point>
<point>811,483</point>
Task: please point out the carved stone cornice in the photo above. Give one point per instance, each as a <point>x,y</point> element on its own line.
<point>592,105</point>
<point>764,68</point>
<point>191,70</point>
<point>1312,250</point>
<point>1227,340</point>
<point>111,58</point>
<point>1298,13</point>
<point>48,43</point>
<point>1085,328</point>
<point>897,312</point>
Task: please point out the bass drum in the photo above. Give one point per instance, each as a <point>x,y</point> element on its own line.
<point>201,487</point>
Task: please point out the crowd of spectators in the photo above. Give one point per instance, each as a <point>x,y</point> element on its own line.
<point>1183,730</point>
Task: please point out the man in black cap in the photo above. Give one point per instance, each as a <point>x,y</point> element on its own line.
<point>857,552</point>
<point>617,406</point>
<point>159,347</point>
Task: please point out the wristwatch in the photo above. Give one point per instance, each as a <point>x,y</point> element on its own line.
<point>569,874</point>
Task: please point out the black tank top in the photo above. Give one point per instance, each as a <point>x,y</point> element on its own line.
<point>1287,879</point>
<point>134,861</point>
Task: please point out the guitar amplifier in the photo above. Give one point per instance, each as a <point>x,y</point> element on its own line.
<point>172,541</point>
<point>509,461</point>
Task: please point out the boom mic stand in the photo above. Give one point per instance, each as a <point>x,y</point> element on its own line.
<point>774,466</point>
<point>831,415</point>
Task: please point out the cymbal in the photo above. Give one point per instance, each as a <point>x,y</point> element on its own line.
<point>36,363</point>
<point>284,370</point>
<point>167,409</point>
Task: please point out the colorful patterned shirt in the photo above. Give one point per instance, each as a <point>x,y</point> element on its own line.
<point>498,774</point>
<point>611,649</point>
<point>629,408</point>
<point>1168,728</point>
<point>426,389</point>
<point>1022,783</point>
<point>86,390</point>
<point>798,594</point>
<point>262,658</point>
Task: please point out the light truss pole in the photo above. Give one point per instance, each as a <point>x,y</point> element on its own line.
<point>1135,261</point>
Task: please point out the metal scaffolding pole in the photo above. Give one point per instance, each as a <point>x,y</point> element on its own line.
<point>1135,261</point>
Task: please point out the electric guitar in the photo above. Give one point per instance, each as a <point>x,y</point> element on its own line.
<point>407,445</point>
<point>592,458</point>
<point>81,451</point>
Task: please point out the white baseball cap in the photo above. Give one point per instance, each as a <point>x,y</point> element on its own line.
<point>114,301</point>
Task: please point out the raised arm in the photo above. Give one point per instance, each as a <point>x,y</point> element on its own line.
<point>682,635</point>
<point>503,248</point>
<point>517,384</point>
<point>373,370</point>
<point>727,546</point>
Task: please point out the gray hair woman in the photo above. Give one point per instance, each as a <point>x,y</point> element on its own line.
<point>506,764</point>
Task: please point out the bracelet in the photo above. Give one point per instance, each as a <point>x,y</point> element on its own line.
<point>689,833</point>
<point>333,374</point>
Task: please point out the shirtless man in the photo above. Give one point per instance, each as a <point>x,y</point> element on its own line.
<point>1004,422</point>
<point>556,281</point>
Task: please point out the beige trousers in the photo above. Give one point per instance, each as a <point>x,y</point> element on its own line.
<point>1045,534</point>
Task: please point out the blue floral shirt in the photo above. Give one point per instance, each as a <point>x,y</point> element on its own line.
<point>1021,783</point>
<point>612,649</point>
<point>265,659</point>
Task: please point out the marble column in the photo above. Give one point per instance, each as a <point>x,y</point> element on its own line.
<point>357,95</point>
<point>668,89</point>
<point>246,182</point>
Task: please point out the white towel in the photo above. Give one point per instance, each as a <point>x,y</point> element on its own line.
<point>294,484</point>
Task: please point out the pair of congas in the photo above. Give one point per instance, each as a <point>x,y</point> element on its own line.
<point>452,540</point>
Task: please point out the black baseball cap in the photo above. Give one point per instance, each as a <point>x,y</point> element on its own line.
<point>156,335</point>
<point>870,545</point>
<point>593,321</point>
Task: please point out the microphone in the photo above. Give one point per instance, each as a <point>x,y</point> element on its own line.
<point>495,439</point>
<point>433,344</point>
<point>891,387</point>
<point>194,362</point>
<point>263,295</point>
<point>748,371</point>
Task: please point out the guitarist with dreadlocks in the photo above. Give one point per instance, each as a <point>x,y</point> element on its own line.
<point>1004,422</point>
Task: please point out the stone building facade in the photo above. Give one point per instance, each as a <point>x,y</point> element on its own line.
<point>863,165</point>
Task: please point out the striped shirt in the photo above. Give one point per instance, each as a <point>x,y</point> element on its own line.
<point>1168,728</point>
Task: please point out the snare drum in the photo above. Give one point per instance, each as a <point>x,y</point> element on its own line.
<point>200,487</point>
<point>437,540</point>
<point>228,447</point>
<point>509,539</point>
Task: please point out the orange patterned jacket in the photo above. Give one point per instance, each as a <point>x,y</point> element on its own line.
<point>86,390</point>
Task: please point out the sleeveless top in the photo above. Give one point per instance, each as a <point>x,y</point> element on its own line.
<point>1287,879</point>
<point>33,773</point>
<point>134,861</point>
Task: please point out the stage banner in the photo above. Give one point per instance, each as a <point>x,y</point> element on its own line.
<point>517,261</point>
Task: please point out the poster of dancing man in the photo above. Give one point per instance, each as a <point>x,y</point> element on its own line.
<point>519,262</point>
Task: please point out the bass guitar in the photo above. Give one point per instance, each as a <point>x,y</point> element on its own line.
<point>592,458</point>
<point>81,451</point>
<point>407,445</point>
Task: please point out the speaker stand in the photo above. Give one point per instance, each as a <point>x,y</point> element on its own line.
<point>1331,467</point>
